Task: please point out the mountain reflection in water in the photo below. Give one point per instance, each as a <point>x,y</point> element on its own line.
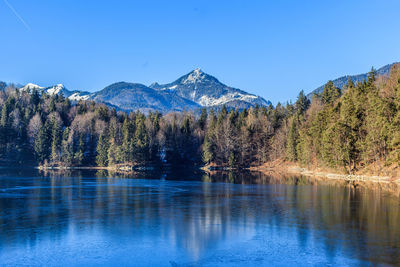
<point>192,219</point>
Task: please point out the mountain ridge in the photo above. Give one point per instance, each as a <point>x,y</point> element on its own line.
<point>193,90</point>
<point>342,81</point>
<point>57,89</point>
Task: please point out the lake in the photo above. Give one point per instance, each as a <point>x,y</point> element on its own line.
<point>191,219</point>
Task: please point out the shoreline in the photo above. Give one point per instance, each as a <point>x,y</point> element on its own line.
<point>267,168</point>
<point>287,167</point>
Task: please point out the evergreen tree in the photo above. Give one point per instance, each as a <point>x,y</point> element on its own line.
<point>203,118</point>
<point>102,151</point>
<point>52,106</point>
<point>56,140</point>
<point>67,147</point>
<point>302,103</point>
<point>330,93</point>
<point>371,76</point>
<point>350,83</point>
<point>127,143</point>
<point>141,139</point>
<point>42,142</point>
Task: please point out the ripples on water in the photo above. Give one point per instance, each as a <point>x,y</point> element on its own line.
<point>192,219</point>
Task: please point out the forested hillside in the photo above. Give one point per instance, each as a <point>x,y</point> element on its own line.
<point>48,129</point>
<point>348,130</point>
<point>341,82</point>
<point>44,129</point>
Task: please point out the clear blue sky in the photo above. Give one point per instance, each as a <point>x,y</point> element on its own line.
<point>269,48</point>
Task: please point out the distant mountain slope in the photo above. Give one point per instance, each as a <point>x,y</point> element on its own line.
<point>342,81</point>
<point>207,91</point>
<point>191,91</point>
<point>134,96</point>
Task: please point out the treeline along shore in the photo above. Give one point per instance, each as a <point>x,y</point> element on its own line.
<point>350,130</point>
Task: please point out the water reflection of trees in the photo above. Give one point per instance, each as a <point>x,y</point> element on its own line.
<point>196,216</point>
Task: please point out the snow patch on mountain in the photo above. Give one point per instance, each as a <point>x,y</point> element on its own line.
<point>56,89</point>
<point>31,86</point>
<point>216,101</point>
<point>78,96</point>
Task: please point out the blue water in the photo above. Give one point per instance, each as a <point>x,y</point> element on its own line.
<point>84,220</point>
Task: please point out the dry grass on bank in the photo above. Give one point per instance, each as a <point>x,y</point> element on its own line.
<point>374,172</point>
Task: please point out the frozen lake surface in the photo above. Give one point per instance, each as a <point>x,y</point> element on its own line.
<point>88,219</point>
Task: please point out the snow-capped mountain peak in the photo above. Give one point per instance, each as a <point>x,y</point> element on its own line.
<point>31,86</point>
<point>208,91</point>
<point>195,76</point>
